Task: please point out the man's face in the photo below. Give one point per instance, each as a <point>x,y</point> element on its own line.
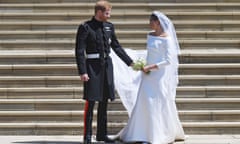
<point>105,15</point>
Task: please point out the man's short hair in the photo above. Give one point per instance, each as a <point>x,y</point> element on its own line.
<point>102,5</point>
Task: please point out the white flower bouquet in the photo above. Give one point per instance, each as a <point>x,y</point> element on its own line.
<point>139,64</point>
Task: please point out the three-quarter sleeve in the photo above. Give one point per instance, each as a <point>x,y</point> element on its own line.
<point>167,59</point>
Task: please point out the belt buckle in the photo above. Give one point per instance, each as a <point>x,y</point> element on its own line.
<point>106,55</point>
<point>93,56</point>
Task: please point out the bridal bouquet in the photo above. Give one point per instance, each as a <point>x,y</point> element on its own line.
<point>139,64</point>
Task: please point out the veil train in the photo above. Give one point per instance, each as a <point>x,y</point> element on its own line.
<point>126,80</point>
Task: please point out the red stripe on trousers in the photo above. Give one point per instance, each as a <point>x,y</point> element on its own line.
<point>85,117</point>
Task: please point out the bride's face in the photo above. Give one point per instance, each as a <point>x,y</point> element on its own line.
<point>154,24</point>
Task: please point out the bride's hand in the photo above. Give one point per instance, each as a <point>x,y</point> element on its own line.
<point>146,69</point>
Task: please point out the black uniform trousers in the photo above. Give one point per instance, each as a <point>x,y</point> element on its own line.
<point>101,115</point>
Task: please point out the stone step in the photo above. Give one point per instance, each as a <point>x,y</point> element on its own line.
<point>114,116</point>
<point>46,94</point>
<point>92,1</point>
<point>71,34</point>
<point>209,56</point>
<point>123,1</point>
<point>208,103</point>
<point>69,139</point>
<point>37,57</point>
<point>217,25</point>
<point>41,92</point>
<point>209,69</point>
<point>70,92</point>
<point>211,44</point>
<point>119,7</point>
<point>133,16</point>
<point>78,104</point>
<point>76,128</point>
<point>207,25</point>
<point>206,1</point>
<point>68,56</point>
<point>199,35</point>
<point>39,81</point>
<point>39,70</point>
<point>209,115</point>
<point>37,44</point>
<point>74,81</point>
<point>42,116</point>
<point>71,69</point>
<point>211,127</point>
<point>224,91</point>
<point>129,43</point>
<point>209,80</point>
<point>41,104</point>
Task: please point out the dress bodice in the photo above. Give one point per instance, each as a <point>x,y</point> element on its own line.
<point>156,49</point>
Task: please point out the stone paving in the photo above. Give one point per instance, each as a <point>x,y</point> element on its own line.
<point>192,139</point>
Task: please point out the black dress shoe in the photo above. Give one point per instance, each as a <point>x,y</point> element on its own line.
<point>87,141</point>
<point>106,139</point>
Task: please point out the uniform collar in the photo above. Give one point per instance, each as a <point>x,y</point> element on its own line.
<point>96,22</point>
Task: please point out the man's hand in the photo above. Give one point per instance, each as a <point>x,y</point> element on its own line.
<point>132,64</point>
<point>84,77</point>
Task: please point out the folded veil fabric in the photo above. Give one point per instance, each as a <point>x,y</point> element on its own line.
<point>127,80</point>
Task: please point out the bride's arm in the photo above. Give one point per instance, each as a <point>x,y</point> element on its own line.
<point>161,64</point>
<point>165,62</point>
<point>167,59</point>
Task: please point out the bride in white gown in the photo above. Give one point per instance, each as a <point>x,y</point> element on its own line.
<point>150,98</point>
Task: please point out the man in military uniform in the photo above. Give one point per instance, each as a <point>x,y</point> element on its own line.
<point>93,42</point>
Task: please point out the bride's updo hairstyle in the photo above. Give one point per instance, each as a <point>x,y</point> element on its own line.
<point>153,17</point>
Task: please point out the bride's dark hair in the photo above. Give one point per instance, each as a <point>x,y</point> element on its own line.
<point>153,17</point>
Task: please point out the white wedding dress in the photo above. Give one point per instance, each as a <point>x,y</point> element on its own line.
<point>153,115</point>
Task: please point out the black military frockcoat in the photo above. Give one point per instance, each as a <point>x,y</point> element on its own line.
<point>95,37</point>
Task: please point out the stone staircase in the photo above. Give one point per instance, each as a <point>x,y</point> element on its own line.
<point>40,91</point>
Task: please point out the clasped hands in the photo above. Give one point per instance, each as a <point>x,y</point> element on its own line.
<point>144,68</point>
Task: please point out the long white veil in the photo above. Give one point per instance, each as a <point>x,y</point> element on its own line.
<point>174,48</point>
<point>127,80</point>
